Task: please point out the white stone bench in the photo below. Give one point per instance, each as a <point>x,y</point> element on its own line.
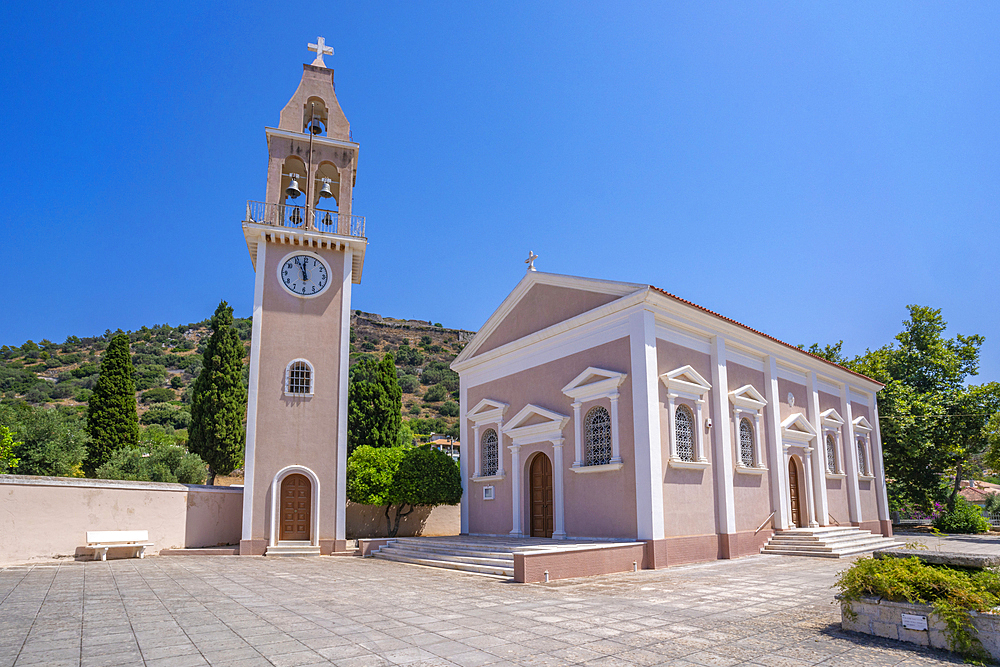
<point>102,540</point>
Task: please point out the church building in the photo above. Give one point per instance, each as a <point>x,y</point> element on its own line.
<point>606,410</point>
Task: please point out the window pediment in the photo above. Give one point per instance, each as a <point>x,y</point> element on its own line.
<point>797,427</point>
<point>831,418</point>
<point>533,423</point>
<point>594,383</point>
<point>487,411</point>
<point>685,381</point>
<point>748,397</point>
<point>863,425</point>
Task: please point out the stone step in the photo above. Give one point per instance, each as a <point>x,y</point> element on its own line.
<point>297,548</point>
<point>820,534</point>
<point>492,571</point>
<point>839,539</point>
<point>448,556</point>
<point>839,546</point>
<point>434,548</point>
<point>881,543</point>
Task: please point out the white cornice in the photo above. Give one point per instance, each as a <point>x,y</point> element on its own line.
<point>317,141</point>
<point>552,425</point>
<point>862,424</point>
<point>487,411</point>
<point>797,427</point>
<point>685,381</point>
<point>594,383</point>
<point>747,397</point>
<point>831,418</point>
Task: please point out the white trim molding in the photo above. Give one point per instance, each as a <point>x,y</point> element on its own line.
<point>831,424</point>
<point>749,404</point>
<point>523,433</point>
<point>797,428</point>
<point>591,385</point>
<point>687,384</point>
<point>486,412</point>
<point>312,379</point>
<point>276,503</point>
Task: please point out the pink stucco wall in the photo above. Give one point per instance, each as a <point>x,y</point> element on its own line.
<point>48,517</point>
<point>587,510</point>
<point>541,307</point>
<point>801,398</point>
<point>751,492</point>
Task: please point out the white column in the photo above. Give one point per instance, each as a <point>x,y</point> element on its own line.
<point>881,494</point>
<point>515,489</point>
<point>500,457</point>
<point>578,435</point>
<point>646,426</point>
<point>476,454</point>
<point>757,445</point>
<point>255,333</point>
<point>345,367</point>
<point>850,458</point>
<point>721,437</point>
<point>810,502</point>
<point>559,513</point>
<point>616,453</point>
<point>699,417</point>
<point>819,474</point>
<point>776,447</point>
<point>463,458</point>
<point>737,444</point>
<point>672,435</point>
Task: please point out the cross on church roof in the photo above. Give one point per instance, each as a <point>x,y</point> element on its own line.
<point>320,48</point>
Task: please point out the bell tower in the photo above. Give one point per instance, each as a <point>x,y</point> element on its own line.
<point>307,249</point>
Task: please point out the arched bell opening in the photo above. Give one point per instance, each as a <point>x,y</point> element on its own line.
<point>315,117</point>
<point>292,194</point>
<point>326,187</point>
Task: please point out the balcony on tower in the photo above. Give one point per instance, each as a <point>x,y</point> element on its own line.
<point>305,218</point>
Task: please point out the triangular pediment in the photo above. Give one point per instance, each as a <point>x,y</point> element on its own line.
<point>593,383</point>
<point>487,410</point>
<point>685,380</point>
<point>539,302</point>
<point>831,418</point>
<point>535,423</point>
<point>747,397</point>
<point>797,425</point>
<point>862,424</point>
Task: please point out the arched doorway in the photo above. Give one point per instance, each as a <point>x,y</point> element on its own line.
<point>296,508</point>
<point>794,492</point>
<point>540,485</point>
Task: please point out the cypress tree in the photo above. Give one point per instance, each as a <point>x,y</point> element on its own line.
<point>112,419</point>
<point>375,404</point>
<point>219,399</point>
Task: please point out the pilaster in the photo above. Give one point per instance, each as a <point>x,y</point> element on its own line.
<point>723,446</point>
<point>775,447</point>
<point>646,423</point>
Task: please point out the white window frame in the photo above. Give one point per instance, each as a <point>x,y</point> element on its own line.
<point>862,437</point>
<point>685,386</point>
<point>482,452</point>
<point>487,412</point>
<point>312,379</point>
<point>832,424</point>
<point>590,386</point>
<point>749,404</point>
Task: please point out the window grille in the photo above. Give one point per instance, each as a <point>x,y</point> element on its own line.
<point>862,461</point>
<point>831,453</point>
<point>299,378</point>
<point>491,453</point>
<point>746,443</point>
<point>684,433</point>
<point>597,437</point>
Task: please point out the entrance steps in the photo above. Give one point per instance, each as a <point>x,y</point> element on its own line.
<point>293,548</point>
<point>493,559</point>
<point>826,542</point>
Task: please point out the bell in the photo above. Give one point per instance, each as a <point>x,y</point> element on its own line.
<point>296,216</point>
<point>326,191</point>
<point>327,219</point>
<point>293,189</point>
<point>315,127</point>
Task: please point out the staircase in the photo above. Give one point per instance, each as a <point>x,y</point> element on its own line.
<point>487,558</point>
<point>826,542</point>
<point>293,548</point>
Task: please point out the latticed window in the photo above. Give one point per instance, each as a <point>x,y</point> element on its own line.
<point>597,437</point>
<point>491,453</point>
<point>684,433</point>
<point>299,378</point>
<point>746,443</point>
<point>831,453</point>
<point>862,461</point>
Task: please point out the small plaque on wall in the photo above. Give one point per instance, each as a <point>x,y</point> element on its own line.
<point>488,493</point>
<point>914,622</point>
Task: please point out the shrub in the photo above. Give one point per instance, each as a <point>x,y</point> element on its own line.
<point>85,370</point>
<point>157,459</point>
<point>158,395</point>
<point>409,383</point>
<point>965,518</point>
<point>82,395</point>
<point>51,441</point>
<point>165,414</point>
<point>415,409</point>
<point>177,382</point>
<point>438,372</point>
<point>449,409</point>
<point>425,341</point>
<point>148,376</point>
<point>436,394</point>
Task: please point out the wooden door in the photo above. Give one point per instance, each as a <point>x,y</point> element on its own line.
<point>793,492</point>
<point>541,496</point>
<point>296,507</point>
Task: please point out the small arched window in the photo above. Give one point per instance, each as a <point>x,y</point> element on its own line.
<point>299,378</point>
<point>831,453</point>
<point>491,453</point>
<point>684,433</point>
<point>746,443</point>
<point>862,459</point>
<point>597,437</point>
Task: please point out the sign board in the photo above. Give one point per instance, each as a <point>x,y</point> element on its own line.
<point>914,622</point>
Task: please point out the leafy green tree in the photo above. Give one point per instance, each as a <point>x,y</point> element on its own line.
<point>158,395</point>
<point>49,442</point>
<point>406,436</point>
<point>449,409</point>
<point>402,478</point>
<point>408,384</point>
<point>436,394</point>
<point>219,399</point>
<point>165,414</point>
<point>8,462</point>
<point>158,458</point>
<point>374,404</point>
<point>112,418</point>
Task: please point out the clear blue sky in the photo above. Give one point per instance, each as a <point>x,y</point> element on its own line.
<point>808,169</point>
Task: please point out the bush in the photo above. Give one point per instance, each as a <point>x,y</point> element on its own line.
<point>966,518</point>
<point>51,441</point>
<point>165,414</point>
<point>148,376</point>
<point>177,382</point>
<point>438,372</point>
<point>85,370</point>
<point>158,395</point>
<point>158,458</point>
<point>415,409</point>
<point>82,395</point>
<point>449,409</point>
<point>409,383</point>
<point>436,394</point>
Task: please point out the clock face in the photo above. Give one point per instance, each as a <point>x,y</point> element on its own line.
<point>304,275</point>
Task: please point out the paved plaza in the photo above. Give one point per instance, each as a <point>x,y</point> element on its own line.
<point>253,611</point>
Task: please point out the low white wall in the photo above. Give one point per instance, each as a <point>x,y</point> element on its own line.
<point>48,517</point>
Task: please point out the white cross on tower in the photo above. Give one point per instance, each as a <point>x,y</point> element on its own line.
<point>320,48</point>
